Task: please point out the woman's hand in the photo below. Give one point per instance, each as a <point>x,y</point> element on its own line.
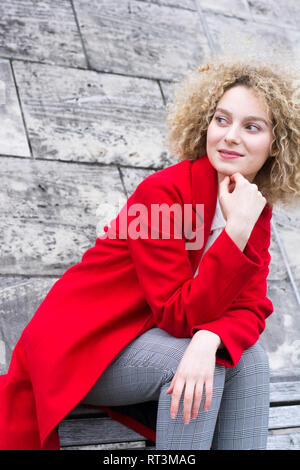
<point>240,200</point>
<point>195,371</point>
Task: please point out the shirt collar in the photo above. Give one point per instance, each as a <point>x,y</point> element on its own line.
<point>218,220</point>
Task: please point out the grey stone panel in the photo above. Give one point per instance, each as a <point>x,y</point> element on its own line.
<point>246,39</point>
<point>132,177</point>
<point>79,115</point>
<point>236,8</point>
<point>277,268</point>
<point>144,39</point>
<point>18,302</point>
<point>13,140</point>
<point>168,90</point>
<point>281,337</point>
<point>40,31</point>
<point>51,213</point>
<point>290,239</point>
<point>186,4</point>
<point>287,220</point>
<point>279,13</point>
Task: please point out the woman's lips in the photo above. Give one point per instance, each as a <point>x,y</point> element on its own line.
<point>229,155</point>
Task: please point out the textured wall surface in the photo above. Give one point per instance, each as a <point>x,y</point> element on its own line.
<point>83,90</point>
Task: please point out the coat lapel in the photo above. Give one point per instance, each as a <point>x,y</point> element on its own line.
<point>204,191</point>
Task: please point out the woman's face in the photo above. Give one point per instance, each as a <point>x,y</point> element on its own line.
<point>238,125</point>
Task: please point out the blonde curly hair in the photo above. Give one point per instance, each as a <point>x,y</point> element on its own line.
<point>193,106</point>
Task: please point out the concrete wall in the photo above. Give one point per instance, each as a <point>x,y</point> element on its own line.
<point>83,90</point>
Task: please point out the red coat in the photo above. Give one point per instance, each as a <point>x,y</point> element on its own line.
<point>120,289</point>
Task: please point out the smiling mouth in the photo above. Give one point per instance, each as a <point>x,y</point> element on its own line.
<point>229,155</point>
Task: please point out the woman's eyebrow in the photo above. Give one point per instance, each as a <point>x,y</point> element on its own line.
<point>254,118</point>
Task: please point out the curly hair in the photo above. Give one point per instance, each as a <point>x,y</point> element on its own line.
<point>196,96</point>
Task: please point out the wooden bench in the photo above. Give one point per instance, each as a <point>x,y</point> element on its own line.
<point>90,429</point>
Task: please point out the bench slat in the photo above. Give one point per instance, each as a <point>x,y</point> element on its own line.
<point>139,445</point>
<point>284,441</point>
<point>90,431</point>
<point>285,391</point>
<point>284,417</point>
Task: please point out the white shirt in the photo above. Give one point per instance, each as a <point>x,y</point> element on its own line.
<point>217,226</point>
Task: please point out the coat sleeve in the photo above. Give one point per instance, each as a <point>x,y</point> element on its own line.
<point>179,301</point>
<point>241,324</point>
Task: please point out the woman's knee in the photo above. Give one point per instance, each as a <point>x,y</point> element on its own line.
<point>254,361</point>
<point>257,355</point>
<point>155,349</point>
<point>173,353</point>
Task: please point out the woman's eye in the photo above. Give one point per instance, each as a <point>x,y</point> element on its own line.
<point>219,119</point>
<point>255,127</point>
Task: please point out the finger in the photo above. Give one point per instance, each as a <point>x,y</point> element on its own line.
<point>237,179</point>
<point>208,393</point>
<point>188,401</point>
<point>176,395</point>
<point>224,185</point>
<point>170,389</point>
<point>225,181</point>
<point>197,399</point>
<point>237,176</point>
<point>231,186</point>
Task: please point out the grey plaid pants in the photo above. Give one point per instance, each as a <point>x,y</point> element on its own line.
<point>237,418</point>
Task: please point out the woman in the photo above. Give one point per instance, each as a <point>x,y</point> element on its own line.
<point>149,316</point>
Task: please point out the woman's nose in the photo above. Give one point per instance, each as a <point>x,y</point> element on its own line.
<point>232,134</point>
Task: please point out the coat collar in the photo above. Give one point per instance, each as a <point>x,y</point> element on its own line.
<point>204,179</point>
<point>205,190</point>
